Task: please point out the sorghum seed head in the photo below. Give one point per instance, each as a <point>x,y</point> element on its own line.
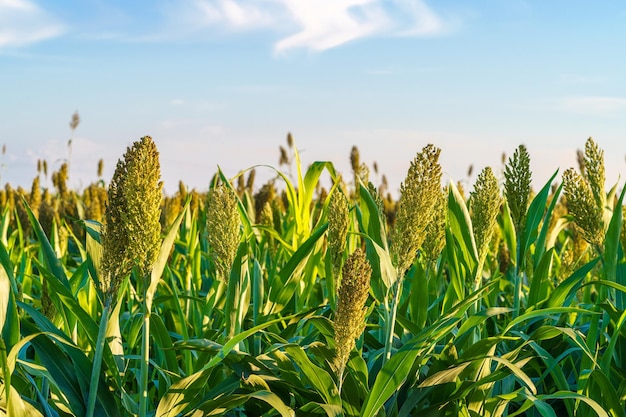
<point>223,228</point>
<point>594,172</point>
<point>582,206</point>
<point>436,230</point>
<point>517,182</point>
<point>349,319</point>
<point>132,231</point>
<point>418,195</point>
<point>485,202</point>
<point>338,221</point>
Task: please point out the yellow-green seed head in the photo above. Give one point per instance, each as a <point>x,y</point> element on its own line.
<point>436,230</point>
<point>338,221</point>
<point>594,172</point>
<point>581,204</point>
<point>485,202</point>
<point>517,185</point>
<point>418,195</point>
<point>223,228</point>
<point>349,319</point>
<point>143,193</point>
<point>132,232</point>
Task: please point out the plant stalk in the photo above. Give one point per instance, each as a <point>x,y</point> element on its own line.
<point>391,324</point>
<point>145,358</point>
<point>97,360</point>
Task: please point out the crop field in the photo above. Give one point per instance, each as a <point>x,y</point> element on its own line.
<point>292,298</point>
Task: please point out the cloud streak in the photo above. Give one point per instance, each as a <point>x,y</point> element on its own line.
<point>595,105</point>
<point>22,22</point>
<point>319,25</point>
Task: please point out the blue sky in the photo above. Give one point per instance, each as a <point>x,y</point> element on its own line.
<point>221,82</point>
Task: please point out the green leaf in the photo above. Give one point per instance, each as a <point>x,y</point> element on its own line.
<point>569,286</point>
<point>601,389</point>
<point>534,216</point>
<point>289,276</point>
<point>540,283</point>
<point>164,253</point>
<point>52,262</point>
<point>318,377</point>
<point>460,224</point>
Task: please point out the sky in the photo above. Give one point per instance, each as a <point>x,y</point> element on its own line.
<point>222,82</point>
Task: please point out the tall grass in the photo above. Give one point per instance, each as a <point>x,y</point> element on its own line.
<point>295,300</point>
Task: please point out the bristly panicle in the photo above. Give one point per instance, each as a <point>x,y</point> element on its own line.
<point>485,202</point>
<point>338,221</point>
<point>349,319</point>
<point>436,230</point>
<point>581,204</point>
<point>594,172</point>
<point>143,194</point>
<point>418,195</point>
<point>132,229</point>
<point>223,228</point>
<point>517,182</point>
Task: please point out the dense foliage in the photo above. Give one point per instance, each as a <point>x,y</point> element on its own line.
<point>295,300</point>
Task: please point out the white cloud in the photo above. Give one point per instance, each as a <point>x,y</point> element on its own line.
<point>329,24</point>
<point>319,24</point>
<point>23,22</point>
<point>597,105</point>
<point>234,13</point>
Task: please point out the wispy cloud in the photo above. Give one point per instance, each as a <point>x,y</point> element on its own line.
<point>568,78</point>
<point>597,105</point>
<point>23,22</point>
<point>319,25</point>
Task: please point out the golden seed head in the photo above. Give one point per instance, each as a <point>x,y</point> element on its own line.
<point>418,195</point>
<point>517,182</point>
<point>250,180</point>
<point>132,233</point>
<point>100,167</point>
<point>59,180</point>
<point>355,160</point>
<point>436,230</point>
<point>350,315</point>
<point>582,206</point>
<point>95,197</point>
<point>580,158</point>
<point>290,140</point>
<point>35,198</point>
<point>223,228</point>
<point>363,175</point>
<point>75,121</point>
<point>284,158</point>
<point>338,221</point>
<point>594,172</point>
<point>266,194</point>
<point>267,217</point>
<point>485,202</point>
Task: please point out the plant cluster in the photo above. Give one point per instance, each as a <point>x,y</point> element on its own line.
<point>290,299</point>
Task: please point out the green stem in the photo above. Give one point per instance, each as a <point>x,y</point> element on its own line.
<point>391,324</point>
<point>145,358</point>
<point>518,283</point>
<point>97,360</point>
